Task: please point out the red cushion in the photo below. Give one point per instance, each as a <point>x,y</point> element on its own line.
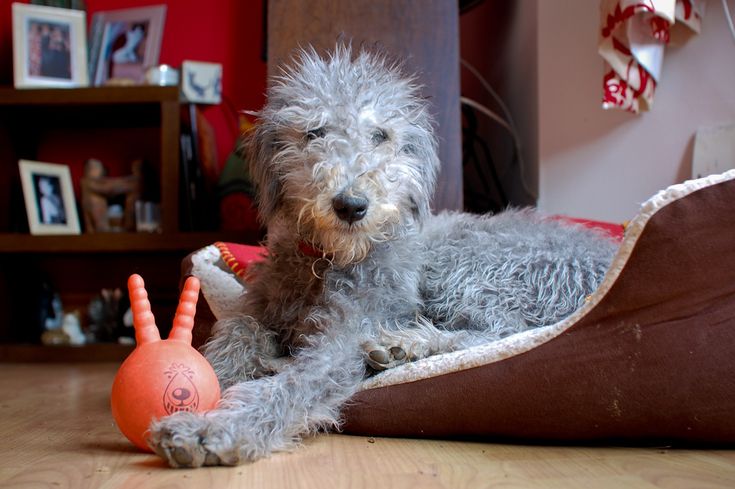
<point>239,256</point>
<point>615,231</point>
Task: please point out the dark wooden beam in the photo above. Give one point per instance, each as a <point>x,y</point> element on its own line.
<point>425,33</point>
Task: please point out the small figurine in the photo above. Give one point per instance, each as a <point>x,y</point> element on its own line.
<point>69,333</point>
<point>73,329</point>
<point>105,316</point>
<point>98,189</point>
<point>51,317</point>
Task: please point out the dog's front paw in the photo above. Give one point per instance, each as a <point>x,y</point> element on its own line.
<point>381,358</point>
<point>192,440</point>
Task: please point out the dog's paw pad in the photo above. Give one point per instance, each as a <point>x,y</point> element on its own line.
<point>398,353</point>
<point>379,358</point>
<point>186,440</point>
<point>212,459</point>
<point>182,457</point>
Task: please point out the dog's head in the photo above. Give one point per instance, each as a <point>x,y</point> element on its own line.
<point>344,152</point>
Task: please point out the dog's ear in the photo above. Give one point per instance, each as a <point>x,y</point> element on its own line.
<point>430,168</point>
<point>259,147</point>
<point>421,145</point>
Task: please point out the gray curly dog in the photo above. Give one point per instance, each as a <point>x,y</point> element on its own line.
<point>360,275</point>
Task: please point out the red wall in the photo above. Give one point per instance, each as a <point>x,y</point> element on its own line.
<point>222,31</point>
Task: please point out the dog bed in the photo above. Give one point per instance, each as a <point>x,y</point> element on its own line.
<point>650,356</point>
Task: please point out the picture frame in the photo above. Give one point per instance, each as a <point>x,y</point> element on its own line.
<point>49,198</point>
<point>49,47</point>
<point>201,82</point>
<point>125,43</point>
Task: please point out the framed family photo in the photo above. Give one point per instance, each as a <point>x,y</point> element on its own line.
<point>49,47</point>
<point>125,43</point>
<point>49,198</point>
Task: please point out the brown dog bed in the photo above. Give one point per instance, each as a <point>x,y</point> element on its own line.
<point>651,355</point>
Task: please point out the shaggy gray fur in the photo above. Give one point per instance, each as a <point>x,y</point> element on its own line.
<point>345,163</point>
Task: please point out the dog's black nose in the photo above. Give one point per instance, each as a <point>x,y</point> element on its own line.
<point>349,208</point>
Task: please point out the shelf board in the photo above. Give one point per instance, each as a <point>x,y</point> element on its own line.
<point>117,242</point>
<point>99,352</point>
<point>93,95</point>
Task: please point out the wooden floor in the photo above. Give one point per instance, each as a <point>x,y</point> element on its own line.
<point>56,431</point>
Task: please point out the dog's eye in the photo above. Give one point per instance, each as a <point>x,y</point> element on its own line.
<point>379,136</point>
<point>317,133</point>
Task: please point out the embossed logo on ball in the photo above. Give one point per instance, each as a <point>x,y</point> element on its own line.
<point>181,394</point>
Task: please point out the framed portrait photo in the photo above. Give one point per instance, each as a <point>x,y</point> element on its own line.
<point>125,43</point>
<point>49,198</point>
<point>49,47</point>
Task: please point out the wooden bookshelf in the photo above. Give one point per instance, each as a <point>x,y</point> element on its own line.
<point>99,352</point>
<point>95,95</point>
<point>117,242</point>
<point>79,266</point>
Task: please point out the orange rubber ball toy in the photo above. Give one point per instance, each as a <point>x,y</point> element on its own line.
<point>161,377</point>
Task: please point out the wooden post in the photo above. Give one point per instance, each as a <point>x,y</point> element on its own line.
<point>425,33</point>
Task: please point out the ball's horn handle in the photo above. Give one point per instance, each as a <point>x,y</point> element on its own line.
<point>184,318</point>
<point>143,320</point>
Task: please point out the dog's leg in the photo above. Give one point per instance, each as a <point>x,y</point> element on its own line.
<point>261,416</point>
<point>421,339</point>
<point>241,349</point>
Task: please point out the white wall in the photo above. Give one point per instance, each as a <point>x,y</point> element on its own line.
<point>602,164</point>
